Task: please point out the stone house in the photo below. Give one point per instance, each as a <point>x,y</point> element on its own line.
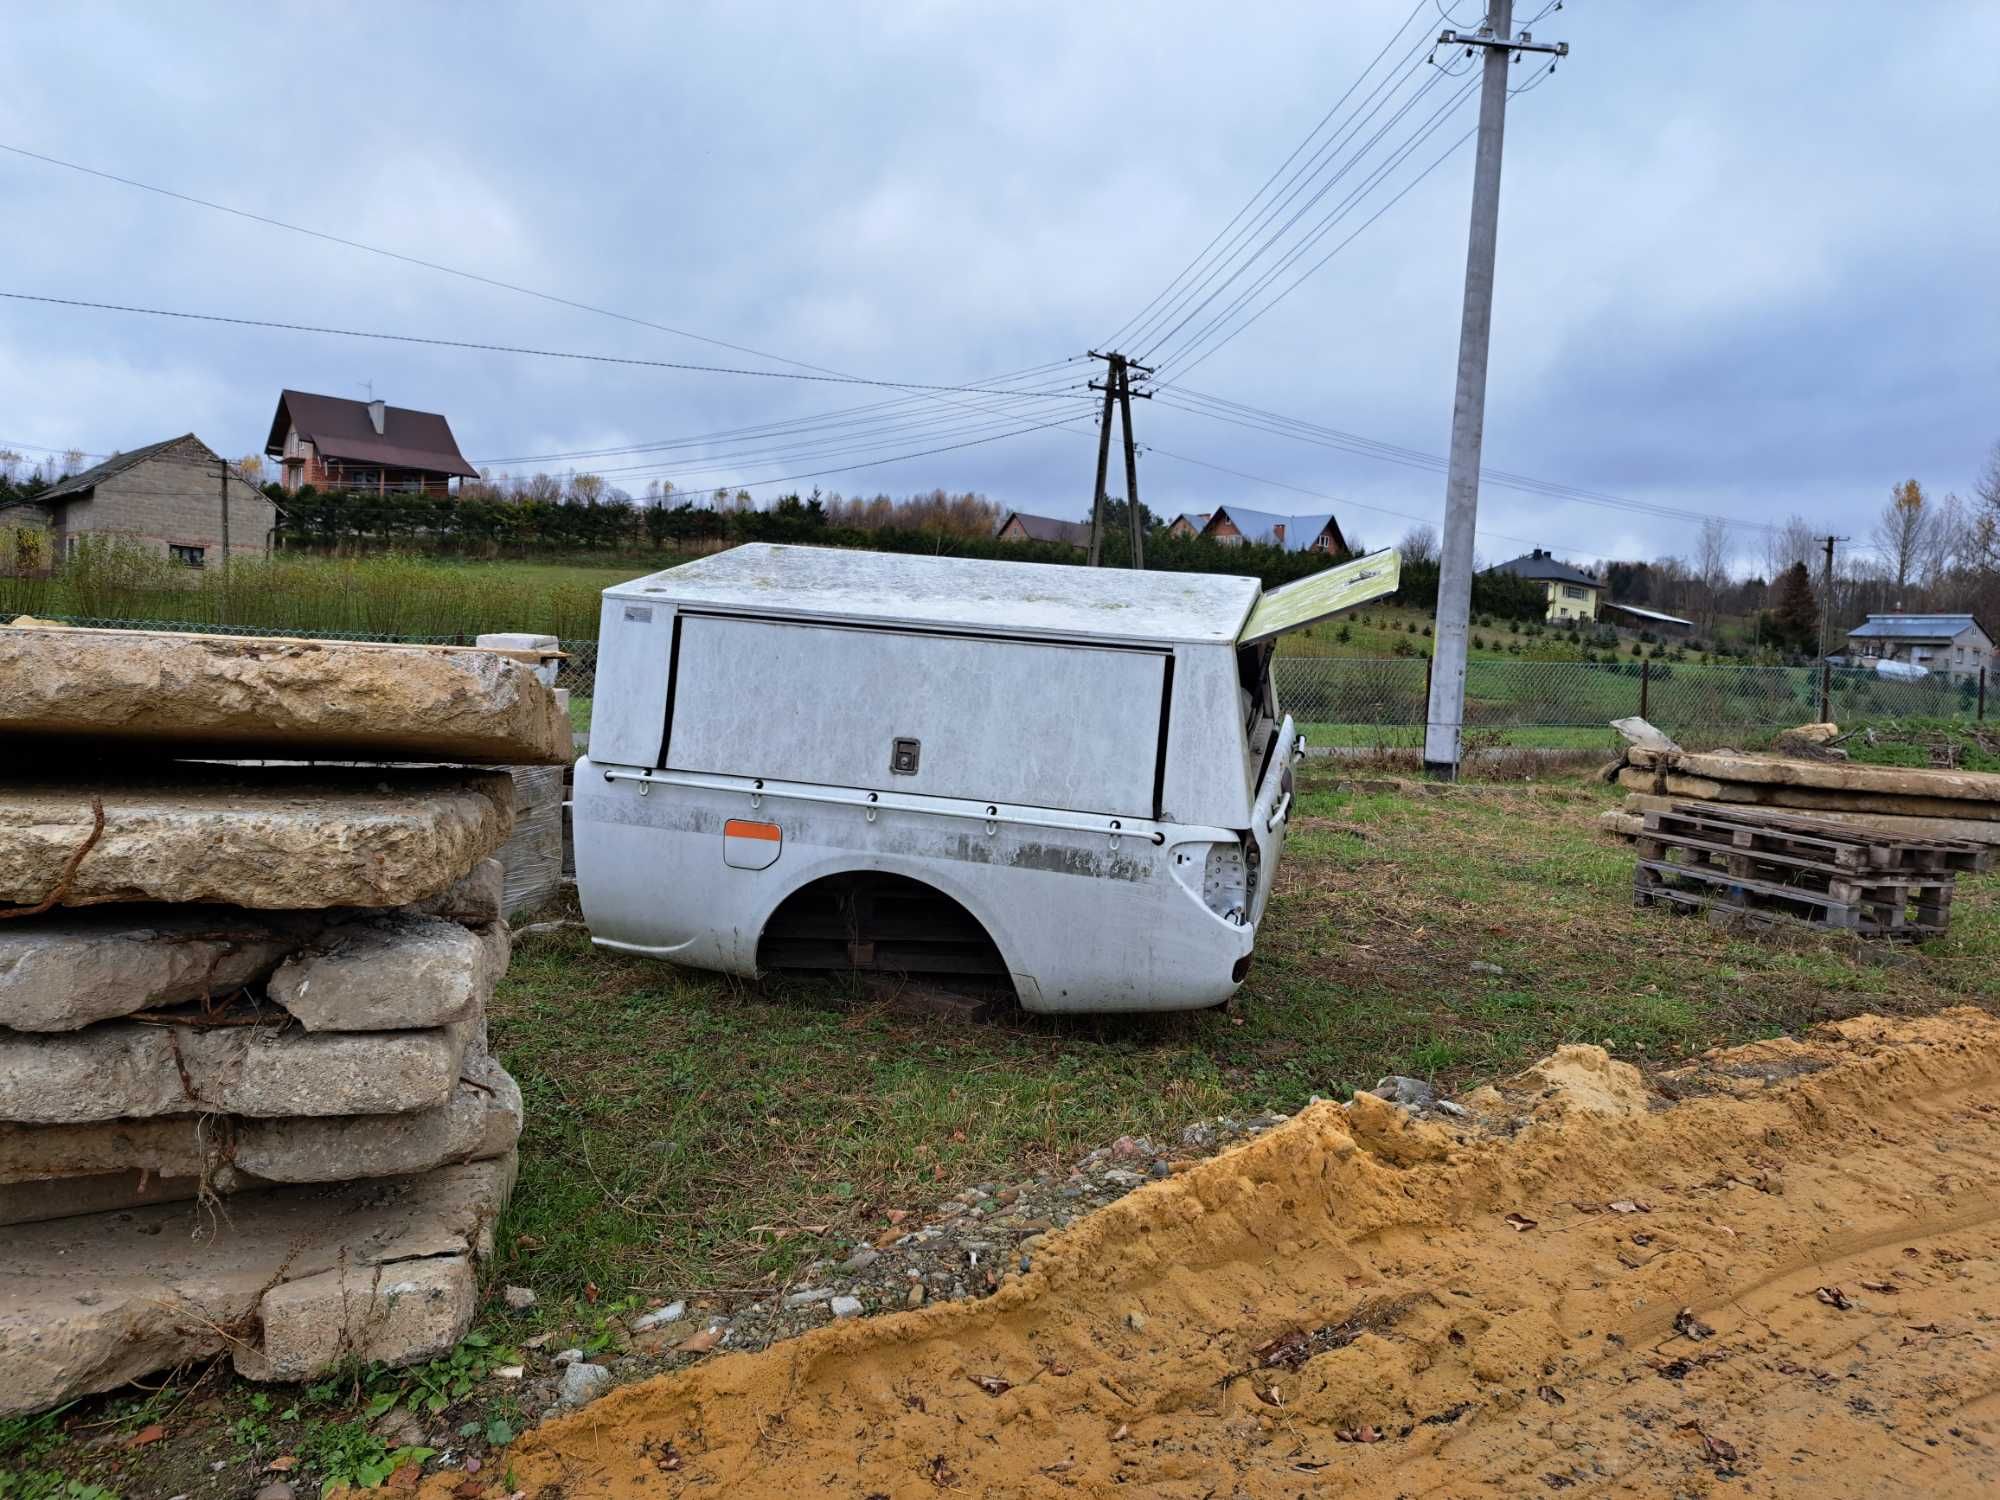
<point>332,443</point>
<point>1954,644</point>
<point>169,496</point>
<point>1189,523</point>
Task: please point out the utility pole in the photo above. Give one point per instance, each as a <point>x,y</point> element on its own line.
<point>1117,388</point>
<point>1825,609</point>
<point>1446,714</point>
<point>223,465</point>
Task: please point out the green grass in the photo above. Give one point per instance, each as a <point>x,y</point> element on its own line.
<point>1924,742</point>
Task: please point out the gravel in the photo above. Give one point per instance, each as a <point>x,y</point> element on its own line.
<point>583,1382</point>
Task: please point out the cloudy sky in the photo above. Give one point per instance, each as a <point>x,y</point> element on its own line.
<point>1747,250</point>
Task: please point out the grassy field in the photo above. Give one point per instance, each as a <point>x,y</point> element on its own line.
<point>688,1133</point>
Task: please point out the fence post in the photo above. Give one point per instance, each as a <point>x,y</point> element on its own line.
<point>1646,689</point>
<point>1982,695</point>
<point>1424,720</point>
<point>1825,691</point>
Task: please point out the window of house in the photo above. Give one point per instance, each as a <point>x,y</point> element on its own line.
<point>190,557</point>
<point>1575,591</point>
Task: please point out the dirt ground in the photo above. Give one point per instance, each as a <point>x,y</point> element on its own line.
<point>1774,1272</point>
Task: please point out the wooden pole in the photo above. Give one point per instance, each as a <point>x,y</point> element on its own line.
<point>1133,524</point>
<point>1103,459</point>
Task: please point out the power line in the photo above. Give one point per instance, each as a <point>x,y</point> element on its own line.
<point>413,260</point>
<point>409,338</point>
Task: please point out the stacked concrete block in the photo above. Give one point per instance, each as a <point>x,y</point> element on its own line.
<point>533,854</point>
<point>246,1100</point>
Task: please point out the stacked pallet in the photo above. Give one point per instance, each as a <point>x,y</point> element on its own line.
<point>1901,802</point>
<point>1738,862</point>
<point>246,1100</point>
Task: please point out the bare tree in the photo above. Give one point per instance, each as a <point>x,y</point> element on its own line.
<point>1984,532</point>
<point>1903,531</point>
<point>1794,541</point>
<point>1419,544</point>
<point>1712,563</point>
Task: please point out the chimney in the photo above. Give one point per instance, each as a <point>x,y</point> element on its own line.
<point>377,416</point>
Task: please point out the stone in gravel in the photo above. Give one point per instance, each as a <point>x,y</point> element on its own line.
<point>567,1356</point>
<point>1119,1177</point>
<point>1412,1093</point>
<point>391,973</point>
<point>1162,1168</point>
<point>673,1312</point>
<point>845,1307</point>
<point>286,1277</point>
<point>1136,1321</point>
<point>310,700</point>
<point>915,1296</point>
<point>583,1382</point>
<point>809,1296</point>
<point>860,1260</point>
<point>74,968</point>
<point>1198,1137</point>
<point>519,1298</point>
<point>1480,966</point>
<point>268,839</point>
<point>277,1490</point>
<point>123,1070</point>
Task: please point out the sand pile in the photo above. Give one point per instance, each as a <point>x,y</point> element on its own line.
<point>246,1103</point>
<point>1778,1266</point>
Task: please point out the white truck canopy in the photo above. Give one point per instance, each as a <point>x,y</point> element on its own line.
<point>1016,598</point>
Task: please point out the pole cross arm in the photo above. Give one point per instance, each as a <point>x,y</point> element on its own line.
<point>1525,42</point>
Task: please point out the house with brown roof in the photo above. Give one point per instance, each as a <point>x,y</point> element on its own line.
<point>1022,527</point>
<point>178,497</point>
<point>333,443</point>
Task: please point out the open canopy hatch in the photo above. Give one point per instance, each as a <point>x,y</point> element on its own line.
<point>1293,606</point>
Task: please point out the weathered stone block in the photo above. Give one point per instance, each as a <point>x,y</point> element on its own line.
<point>54,1171</point>
<point>133,1070</point>
<point>391,973</point>
<point>89,1304</point>
<point>473,901</point>
<point>272,839</point>
<point>240,696</point>
<point>69,969</point>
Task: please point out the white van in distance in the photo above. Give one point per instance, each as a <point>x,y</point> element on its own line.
<point>1073,781</point>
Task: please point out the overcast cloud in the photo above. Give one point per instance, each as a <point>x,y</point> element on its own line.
<point>1747,260</point>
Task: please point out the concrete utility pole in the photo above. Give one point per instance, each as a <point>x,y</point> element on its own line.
<point>1825,609</point>
<point>223,465</point>
<point>1468,414</point>
<point>1117,388</point>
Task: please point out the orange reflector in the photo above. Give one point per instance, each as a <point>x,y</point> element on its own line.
<point>750,846</point>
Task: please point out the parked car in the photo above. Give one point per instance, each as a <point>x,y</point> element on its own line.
<point>1072,781</point>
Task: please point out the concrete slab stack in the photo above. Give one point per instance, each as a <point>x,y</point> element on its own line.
<point>246,1100</point>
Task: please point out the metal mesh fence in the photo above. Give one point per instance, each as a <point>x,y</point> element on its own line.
<point>1367,701</point>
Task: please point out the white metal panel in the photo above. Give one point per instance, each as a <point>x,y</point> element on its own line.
<point>1029,722</point>
<point>1306,601</point>
<point>1018,598</point>
<point>1207,781</point>
<point>629,707</point>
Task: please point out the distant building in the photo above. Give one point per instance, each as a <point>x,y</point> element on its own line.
<point>1022,527</point>
<point>168,496</point>
<point>1953,644</point>
<point>1189,523</point>
<point>1572,594</point>
<point>333,443</point>
<point>1636,618</point>
<point>1235,525</point>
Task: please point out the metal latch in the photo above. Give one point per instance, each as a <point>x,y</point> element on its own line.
<point>903,756</point>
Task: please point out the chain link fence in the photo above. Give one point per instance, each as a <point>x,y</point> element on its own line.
<point>1350,701</point>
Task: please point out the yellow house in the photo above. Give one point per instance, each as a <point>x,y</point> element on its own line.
<point>1572,593</point>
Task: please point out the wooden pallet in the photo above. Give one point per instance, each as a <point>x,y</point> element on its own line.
<point>1691,857</point>
<point>1834,843</point>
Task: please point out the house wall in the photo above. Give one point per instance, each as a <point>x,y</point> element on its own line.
<point>1013,531</point>
<point>300,464</point>
<point>1564,606</point>
<point>1965,655</point>
<point>174,499</point>
<point>1222,529</point>
<point>1181,527</point>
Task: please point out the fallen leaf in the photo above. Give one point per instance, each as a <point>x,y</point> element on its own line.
<point>1888,1287</point>
<point>941,1474</point>
<point>958,1135</point>
<point>145,1435</point>
<point>1551,1395</point>
<point>700,1343</point>
<point>1269,1395</point>
<point>937,1172</point>
<point>1629,1206</point>
<point>1358,1435</point>
<point>1689,1326</point>
<point>1642,1239</point>
<point>1520,1223</point>
<point>993,1385</point>
<point>897,1215</point>
<point>590,1293</point>
<point>538,1340</point>
<point>510,1372</point>
<point>1720,1451</point>
<point>1124,1431</point>
<point>1587,1208</point>
<point>1833,1296</point>
<point>1057,1370</point>
<point>281,1463</point>
<point>1059,1468</point>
